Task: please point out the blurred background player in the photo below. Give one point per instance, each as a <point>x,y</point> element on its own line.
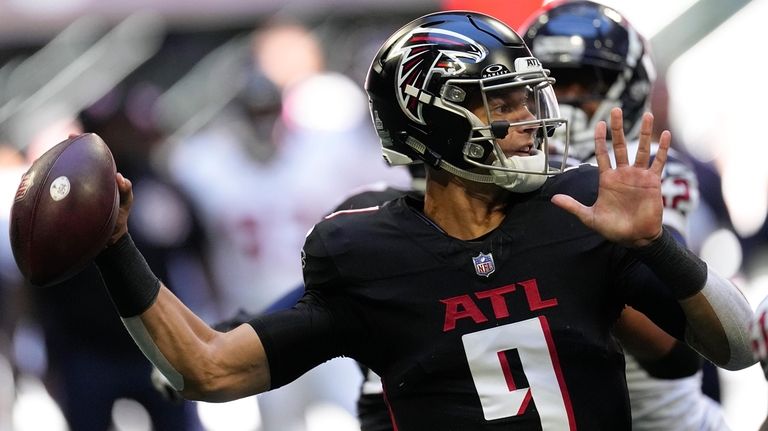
<point>266,169</point>
<point>600,62</point>
<point>92,363</point>
<point>372,410</point>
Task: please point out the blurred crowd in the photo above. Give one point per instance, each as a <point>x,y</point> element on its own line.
<point>237,141</point>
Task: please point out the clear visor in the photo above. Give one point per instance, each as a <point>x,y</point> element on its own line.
<point>522,104</point>
<point>514,113</point>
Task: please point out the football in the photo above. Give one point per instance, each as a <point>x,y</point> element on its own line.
<point>65,210</point>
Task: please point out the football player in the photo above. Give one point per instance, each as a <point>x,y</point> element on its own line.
<point>599,62</point>
<point>492,298</point>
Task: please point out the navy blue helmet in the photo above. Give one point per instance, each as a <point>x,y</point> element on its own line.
<point>592,44</point>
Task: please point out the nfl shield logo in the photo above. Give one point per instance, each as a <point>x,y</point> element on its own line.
<point>484,265</point>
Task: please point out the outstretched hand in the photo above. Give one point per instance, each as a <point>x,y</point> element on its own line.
<point>628,209</point>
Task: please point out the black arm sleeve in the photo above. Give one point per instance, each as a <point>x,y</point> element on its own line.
<point>321,326</point>
<point>298,339</point>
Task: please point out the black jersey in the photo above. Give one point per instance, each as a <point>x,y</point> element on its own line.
<point>372,410</point>
<point>371,198</point>
<point>511,331</point>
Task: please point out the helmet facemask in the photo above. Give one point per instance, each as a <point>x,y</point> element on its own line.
<point>496,106</point>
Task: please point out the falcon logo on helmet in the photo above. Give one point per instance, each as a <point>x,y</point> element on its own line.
<point>419,60</point>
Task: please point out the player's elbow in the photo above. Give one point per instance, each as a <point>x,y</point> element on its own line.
<point>224,374</point>
<point>211,385</point>
<point>203,385</point>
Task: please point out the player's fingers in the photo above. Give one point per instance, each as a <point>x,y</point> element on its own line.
<point>661,154</point>
<point>583,213</point>
<point>125,188</point>
<point>123,183</point>
<point>126,200</point>
<point>617,137</point>
<point>601,151</point>
<point>643,155</point>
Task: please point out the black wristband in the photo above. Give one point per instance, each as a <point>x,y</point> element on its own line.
<point>679,268</point>
<point>130,282</point>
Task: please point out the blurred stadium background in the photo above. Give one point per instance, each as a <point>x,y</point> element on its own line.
<point>277,85</point>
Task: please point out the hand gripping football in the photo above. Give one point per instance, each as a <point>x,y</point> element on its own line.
<point>65,210</point>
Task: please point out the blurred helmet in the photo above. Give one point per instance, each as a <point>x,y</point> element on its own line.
<point>430,74</point>
<point>586,43</point>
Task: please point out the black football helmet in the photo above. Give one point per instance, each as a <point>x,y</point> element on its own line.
<point>585,42</point>
<point>426,76</point>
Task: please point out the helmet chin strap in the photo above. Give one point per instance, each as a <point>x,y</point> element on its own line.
<point>518,182</point>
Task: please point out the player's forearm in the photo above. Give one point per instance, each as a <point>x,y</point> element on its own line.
<point>173,338</point>
<point>212,364</point>
<point>717,313</point>
<point>641,337</point>
<point>203,363</point>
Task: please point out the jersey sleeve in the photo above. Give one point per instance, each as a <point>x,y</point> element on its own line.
<point>318,328</point>
<point>298,339</point>
<point>369,198</point>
